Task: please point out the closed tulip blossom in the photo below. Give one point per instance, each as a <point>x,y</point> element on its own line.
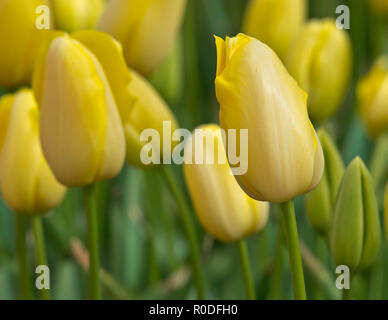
<point>74,15</point>
<point>372,96</point>
<point>146,29</point>
<point>275,22</point>
<point>320,60</point>
<point>355,230</point>
<point>256,92</point>
<point>83,88</point>
<point>19,40</point>
<point>27,183</point>
<point>149,111</point>
<point>223,209</point>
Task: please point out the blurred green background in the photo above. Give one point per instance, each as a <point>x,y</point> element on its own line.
<point>144,253</point>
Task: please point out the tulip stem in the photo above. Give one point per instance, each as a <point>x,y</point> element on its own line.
<point>246,269</point>
<point>94,268</point>
<point>40,251</point>
<point>292,239</point>
<point>346,294</point>
<point>189,229</point>
<point>21,252</point>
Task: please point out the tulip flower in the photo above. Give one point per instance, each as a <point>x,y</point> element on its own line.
<point>355,231</point>
<point>146,29</point>
<point>320,60</point>
<point>275,22</point>
<point>372,95</point>
<point>74,15</point>
<point>223,209</point>
<point>149,111</point>
<point>256,92</point>
<point>83,86</point>
<point>379,6</point>
<point>320,202</point>
<point>27,184</point>
<point>19,40</point>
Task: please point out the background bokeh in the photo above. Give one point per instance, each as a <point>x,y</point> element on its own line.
<point>143,250</point>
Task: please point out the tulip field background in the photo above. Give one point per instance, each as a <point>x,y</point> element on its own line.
<point>143,249</point>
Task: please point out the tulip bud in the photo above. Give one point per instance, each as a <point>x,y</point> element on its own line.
<point>74,15</point>
<point>256,93</point>
<point>223,209</point>
<point>149,112</point>
<point>83,82</point>
<point>355,231</point>
<point>379,6</point>
<point>19,40</point>
<point>320,202</point>
<point>146,29</point>
<point>372,96</point>
<point>386,211</point>
<point>275,22</point>
<point>26,181</point>
<point>320,60</point>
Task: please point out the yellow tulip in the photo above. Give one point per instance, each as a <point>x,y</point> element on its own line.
<point>146,29</point>
<point>27,184</point>
<point>223,209</point>
<point>74,15</point>
<point>379,6</point>
<point>19,40</point>
<point>275,22</point>
<point>372,95</point>
<point>320,60</point>
<point>256,92</point>
<point>149,111</point>
<point>83,86</point>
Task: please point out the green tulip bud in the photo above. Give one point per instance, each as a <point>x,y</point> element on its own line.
<point>355,231</point>
<point>320,202</point>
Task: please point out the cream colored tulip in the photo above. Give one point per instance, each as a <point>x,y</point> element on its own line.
<point>146,29</point>
<point>223,209</point>
<point>372,96</point>
<point>275,22</point>
<point>83,86</point>
<point>74,15</point>
<point>256,92</point>
<point>148,112</point>
<point>27,184</point>
<point>320,60</point>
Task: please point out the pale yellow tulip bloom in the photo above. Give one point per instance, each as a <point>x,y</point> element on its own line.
<point>81,131</point>
<point>147,29</point>
<point>149,111</point>
<point>275,22</point>
<point>379,6</point>
<point>222,207</point>
<point>74,15</point>
<point>372,96</point>
<point>256,92</point>
<point>27,184</point>
<point>320,60</point>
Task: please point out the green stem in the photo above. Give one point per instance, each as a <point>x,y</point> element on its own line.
<point>346,294</point>
<point>40,250</point>
<point>21,252</point>
<point>246,269</point>
<point>292,240</point>
<point>94,263</point>
<point>189,229</point>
